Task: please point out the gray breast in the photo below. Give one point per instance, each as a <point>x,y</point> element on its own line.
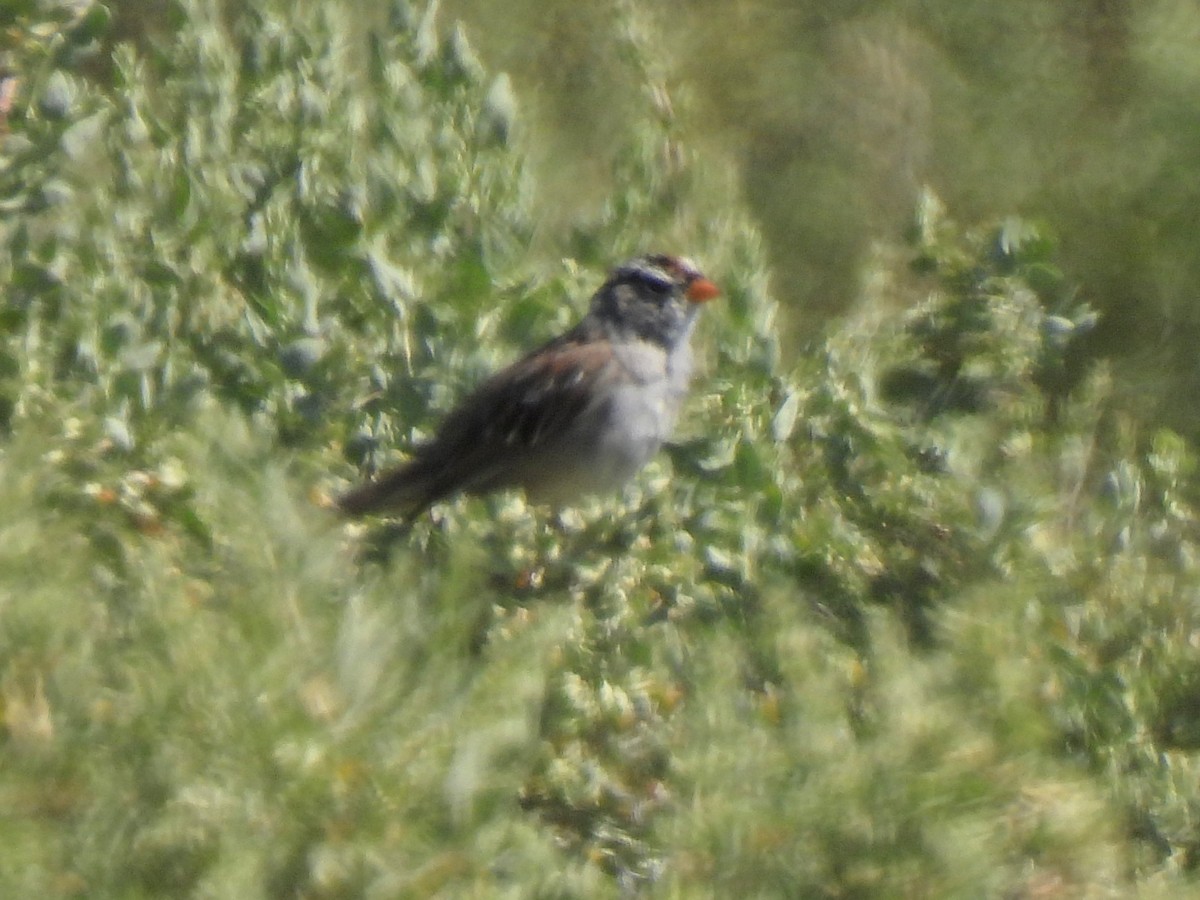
<point>619,434</point>
<point>643,412</point>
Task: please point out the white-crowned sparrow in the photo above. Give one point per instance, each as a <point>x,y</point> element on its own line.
<point>580,414</point>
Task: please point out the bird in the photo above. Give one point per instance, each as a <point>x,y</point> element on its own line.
<point>579,415</point>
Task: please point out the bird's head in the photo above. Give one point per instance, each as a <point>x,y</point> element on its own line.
<point>654,297</point>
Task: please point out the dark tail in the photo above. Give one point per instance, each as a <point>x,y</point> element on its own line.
<point>405,491</point>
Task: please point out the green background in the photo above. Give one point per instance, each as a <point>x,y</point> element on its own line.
<point>910,606</point>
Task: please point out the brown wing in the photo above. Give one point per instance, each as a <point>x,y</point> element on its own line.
<point>499,434</point>
<point>491,438</point>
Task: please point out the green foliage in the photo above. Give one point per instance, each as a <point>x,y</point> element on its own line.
<point>835,116</point>
<point>914,617</point>
<point>273,203</point>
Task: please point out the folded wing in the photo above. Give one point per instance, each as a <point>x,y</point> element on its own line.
<point>504,433</point>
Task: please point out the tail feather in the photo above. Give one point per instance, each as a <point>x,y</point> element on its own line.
<point>406,491</point>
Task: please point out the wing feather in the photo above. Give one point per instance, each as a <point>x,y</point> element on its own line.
<point>502,432</point>
<point>502,428</point>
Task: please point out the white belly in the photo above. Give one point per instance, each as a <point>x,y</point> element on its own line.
<point>611,446</point>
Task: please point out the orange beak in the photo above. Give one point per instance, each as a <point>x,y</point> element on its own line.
<point>702,290</point>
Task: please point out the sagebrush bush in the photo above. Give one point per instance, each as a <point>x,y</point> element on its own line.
<point>909,615</point>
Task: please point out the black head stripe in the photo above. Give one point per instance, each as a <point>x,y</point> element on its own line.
<point>656,272</point>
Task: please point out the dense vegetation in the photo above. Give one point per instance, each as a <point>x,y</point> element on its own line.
<point>835,116</point>
<point>913,615</point>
